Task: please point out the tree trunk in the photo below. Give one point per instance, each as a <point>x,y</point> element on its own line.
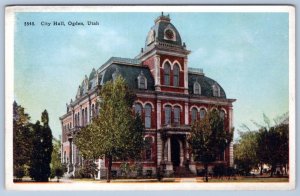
<point>108,175</point>
<point>206,172</point>
<point>261,169</point>
<point>272,170</point>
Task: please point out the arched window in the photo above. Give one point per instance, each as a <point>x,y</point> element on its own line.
<point>168,111</point>
<point>176,75</point>
<point>148,116</point>
<point>142,81</point>
<point>197,88</point>
<point>194,114</point>
<point>216,90</point>
<point>176,116</point>
<point>138,109</point>
<point>202,113</point>
<point>167,69</point>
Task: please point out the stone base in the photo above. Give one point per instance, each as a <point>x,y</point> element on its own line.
<point>169,170</point>
<point>101,174</point>
<point>192,167</point>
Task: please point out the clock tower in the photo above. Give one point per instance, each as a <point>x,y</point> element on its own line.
<point>166,56</point>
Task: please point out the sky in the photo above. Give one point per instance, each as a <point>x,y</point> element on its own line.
<point>246,53</point>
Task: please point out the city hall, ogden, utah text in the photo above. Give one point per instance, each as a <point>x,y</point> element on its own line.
<point>61,23</point>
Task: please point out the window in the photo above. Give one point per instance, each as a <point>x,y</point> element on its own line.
<point>78,119</point>
<point>177,116</point>
<point>138,109</point>
<point>168,111</point>
<point>176,75</point>
<point>194,114</point>
<point>148,116</point>
<point>202,113</point>
<point>93,111</point>
<point>65,157</point>
<point>142,81</point>
<point>82,117</point>
<point>85,116</point>
<point>148,148</point>
<point>167,69</point>
<point>75,119</point>
<point>216,90</point>
<point>197,88</point>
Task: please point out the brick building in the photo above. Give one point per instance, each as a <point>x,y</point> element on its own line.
<point>170,96</point>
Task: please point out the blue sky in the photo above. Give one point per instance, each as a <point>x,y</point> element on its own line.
<point>247,53</point>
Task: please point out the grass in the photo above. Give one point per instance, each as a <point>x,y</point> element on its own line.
<point>251,179</point>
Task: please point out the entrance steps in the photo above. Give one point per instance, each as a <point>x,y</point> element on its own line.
<point>183,172</point>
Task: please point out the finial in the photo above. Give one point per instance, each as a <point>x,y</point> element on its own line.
<point>142,50</point>
<point>184,44</point>
<point>162,13</point>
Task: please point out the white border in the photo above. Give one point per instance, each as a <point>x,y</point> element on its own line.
<point>9,84</point>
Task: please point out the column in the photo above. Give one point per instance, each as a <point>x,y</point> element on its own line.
<point>186,113</point>
<point>158,113</point>
<point>157,72</point>
<point>181,153</point>
<point>186,75</point>
<point>73,153</point>
<point>89,111</point>
<point>169,150</point>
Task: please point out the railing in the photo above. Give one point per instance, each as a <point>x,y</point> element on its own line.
<point>195,70</point>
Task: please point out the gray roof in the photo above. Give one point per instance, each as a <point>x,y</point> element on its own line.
<point>120,60</point>
<point>206,84</point>
<point>130,74</point>
<point>163,22</point>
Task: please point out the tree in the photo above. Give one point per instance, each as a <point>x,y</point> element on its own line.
<point>273,146</point>
<point>22,144</point>
<point>245,151</point>
<point>42,150</point>
<point>114,132</point>
<point>55,165</point>
<point>208,139</point>
<point>267,145</point>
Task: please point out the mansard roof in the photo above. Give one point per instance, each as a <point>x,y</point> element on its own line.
<point>206,84</point>
<point>129,73</point>
<point>162,23</point>
<point>119,60</point>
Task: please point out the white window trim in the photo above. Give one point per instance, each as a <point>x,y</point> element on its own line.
<point>194,88</point>
<point>141,75</point>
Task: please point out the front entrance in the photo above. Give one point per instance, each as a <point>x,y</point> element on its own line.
<point>175,152</point>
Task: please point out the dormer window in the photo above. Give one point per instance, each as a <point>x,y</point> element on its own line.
<point>216,90</point>
<point>115,74</point>
<point>197,88</point>
<point>142,81</point>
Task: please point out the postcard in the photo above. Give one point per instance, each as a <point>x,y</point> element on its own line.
<point>150,97</point>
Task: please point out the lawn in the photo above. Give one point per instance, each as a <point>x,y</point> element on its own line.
<point>250,179</point>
